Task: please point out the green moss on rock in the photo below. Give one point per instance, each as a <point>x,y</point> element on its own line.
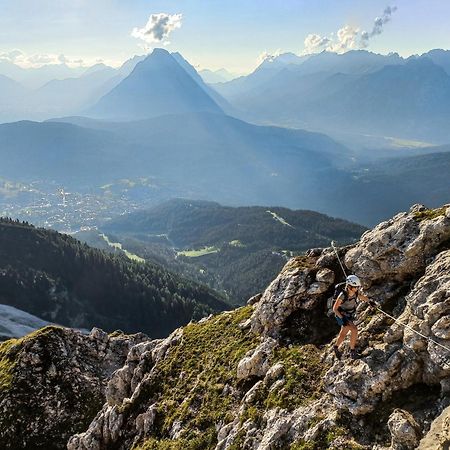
<point>200,442</point>
<point>299,262</point>
<point>7,363</point>
<point>9,352</point>
<point>303,377</point>
<point>326,440</point>
<point>429,214</point>
<point>199,374</point>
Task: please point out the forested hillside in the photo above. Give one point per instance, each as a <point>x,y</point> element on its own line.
<point>237,250</point>
<point>59,279</point>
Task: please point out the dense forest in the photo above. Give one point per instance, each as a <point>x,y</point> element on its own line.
<point>194,224</point>
<point>60,279</point>
<point>237,250</point>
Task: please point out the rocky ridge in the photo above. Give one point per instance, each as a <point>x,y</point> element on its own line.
<point>53,382</point>
<point>264,376</point>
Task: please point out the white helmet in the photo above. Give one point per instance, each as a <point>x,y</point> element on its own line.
<point>353,280</point>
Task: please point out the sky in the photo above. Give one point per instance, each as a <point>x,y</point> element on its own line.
<point>214,33</point>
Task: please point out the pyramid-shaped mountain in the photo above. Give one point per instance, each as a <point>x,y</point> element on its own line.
<point>158,85</point>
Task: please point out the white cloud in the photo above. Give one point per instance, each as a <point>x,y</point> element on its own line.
<point>314,43</point>
<point>348,37</point>
<point>27,61</point>
<point>266,56</point>
<point>36,60</point>
<point>11,56</point>
<point>158,28</point>
<point>43,59</point>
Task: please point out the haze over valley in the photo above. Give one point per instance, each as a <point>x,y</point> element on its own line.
<point>156,130</point>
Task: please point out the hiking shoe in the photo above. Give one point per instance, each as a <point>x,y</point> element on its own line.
<point>337,353</point>
<point>354,354</point>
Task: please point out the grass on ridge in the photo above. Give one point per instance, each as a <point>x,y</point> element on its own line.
<point>199,377</point>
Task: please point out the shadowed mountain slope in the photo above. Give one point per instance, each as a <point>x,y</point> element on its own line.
<point>61,280</point>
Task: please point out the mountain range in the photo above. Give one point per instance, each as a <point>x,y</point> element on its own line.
<point>57,89</point>
<point>35,77</point>
<point>163,121</point>
<point>216,76</point>
<point>358,91</point>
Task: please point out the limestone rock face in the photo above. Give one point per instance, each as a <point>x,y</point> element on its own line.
<point>57,384</point>
<point>325,276</point>
<point>428,311</point>
<point>398,249</point>
<point>296,288</point>
<point>358,388</point>
<point>402,262</point>
<point>406,358</point>
<point>404,430</point>
<point>438,437</point>
<point>256,363</point>
<point>123,389</point>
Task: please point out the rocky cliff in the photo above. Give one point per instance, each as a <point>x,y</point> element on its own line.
<point>53,382</point>
<point>264,376</point>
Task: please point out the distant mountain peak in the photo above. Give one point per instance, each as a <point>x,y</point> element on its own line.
<point>158,57</point>
<point>160,51</point>
<point>158,85</point>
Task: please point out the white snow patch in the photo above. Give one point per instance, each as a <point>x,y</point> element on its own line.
<point>16,323</point>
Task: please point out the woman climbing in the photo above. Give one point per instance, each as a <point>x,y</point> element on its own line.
<point>344,309</point>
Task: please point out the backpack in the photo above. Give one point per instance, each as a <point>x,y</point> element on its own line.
<point>338,290</point>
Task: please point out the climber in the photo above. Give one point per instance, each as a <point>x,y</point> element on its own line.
<point>344,309</point>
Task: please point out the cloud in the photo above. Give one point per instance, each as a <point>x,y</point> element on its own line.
<point>378,25</point>
<point>314,43</point>
<point>36,60</point>
<point>11,56</point>
<point>42,59</point>
<point>266,56</point>
<point>158,28</point>
<point>348,37</point>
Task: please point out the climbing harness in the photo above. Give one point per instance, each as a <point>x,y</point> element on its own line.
<point>429,339</point>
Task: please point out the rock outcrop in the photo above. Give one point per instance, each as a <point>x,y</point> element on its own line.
<point>264,376</point>
<point>439,435</point>
<point>52,383</point>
